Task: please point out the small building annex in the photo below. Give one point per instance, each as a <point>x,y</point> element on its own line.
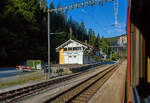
<point>74,52</point>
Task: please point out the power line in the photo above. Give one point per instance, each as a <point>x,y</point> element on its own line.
<point>80,4</point>
<point>84,3</point>
<point>94,19</point>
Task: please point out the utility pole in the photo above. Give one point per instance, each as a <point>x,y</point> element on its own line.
<point>49,52</point>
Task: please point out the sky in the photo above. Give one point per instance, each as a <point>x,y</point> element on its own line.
<point>99,17</point>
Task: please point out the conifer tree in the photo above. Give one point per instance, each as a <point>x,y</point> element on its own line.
<point>97,42</point>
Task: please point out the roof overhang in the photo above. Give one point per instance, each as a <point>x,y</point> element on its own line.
<point>70,40</point>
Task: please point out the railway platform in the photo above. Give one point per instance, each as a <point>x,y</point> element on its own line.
<point>113,91</point>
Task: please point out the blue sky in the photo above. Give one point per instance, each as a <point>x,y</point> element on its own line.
<point>100,18</point>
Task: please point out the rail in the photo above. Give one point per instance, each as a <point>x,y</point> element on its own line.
<point>15,95</point>
<point>83,91</point>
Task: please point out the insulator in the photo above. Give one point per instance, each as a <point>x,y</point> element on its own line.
<point>82,4</point>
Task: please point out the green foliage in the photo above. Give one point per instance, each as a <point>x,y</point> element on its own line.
<point>124,54</point>
<point>97,43</point>
<point>104,45</point>
<point>92,38</point>
<point>83,30</point>
<point>24,31</point>
<point>33,63</point>
<point>114,40</point>
<point>21,79</point>
<point>114,56</point>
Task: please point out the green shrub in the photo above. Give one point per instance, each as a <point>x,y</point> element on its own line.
<point>114,56</point>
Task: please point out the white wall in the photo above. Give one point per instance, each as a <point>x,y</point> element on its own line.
<point>73,57</point>
<point>73,44</point>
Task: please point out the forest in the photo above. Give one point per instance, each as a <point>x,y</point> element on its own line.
<point>23,32</point>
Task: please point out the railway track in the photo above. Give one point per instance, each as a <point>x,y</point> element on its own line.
<point>15,95</point>
<point>83,91</point>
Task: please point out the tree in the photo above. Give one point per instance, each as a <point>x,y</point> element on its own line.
<point>114,56</point>
<point>93,38</point>
<point>90,36</point>
<point>83,31</point>
<point>104,45</point>
<point>23,31</point>
<point>97,42</point>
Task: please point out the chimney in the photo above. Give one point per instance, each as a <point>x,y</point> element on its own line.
<point>70,30</point>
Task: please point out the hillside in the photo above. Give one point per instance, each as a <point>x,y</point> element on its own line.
<point>113,40</point>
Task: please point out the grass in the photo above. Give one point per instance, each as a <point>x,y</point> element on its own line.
<point>21,79</point>
<point>26,78</point>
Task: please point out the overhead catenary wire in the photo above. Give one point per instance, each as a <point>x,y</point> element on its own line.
<point>80,4</point>
<point>97,22</point>
<point>72,4</point>
<point>94,19</point>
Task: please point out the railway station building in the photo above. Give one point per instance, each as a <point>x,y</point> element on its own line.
<point>75,52</point>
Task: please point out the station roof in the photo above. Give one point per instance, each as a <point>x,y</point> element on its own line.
<point>76,41</point>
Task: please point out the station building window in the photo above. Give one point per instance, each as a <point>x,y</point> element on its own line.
<point>78,48</point>
<point>75,48</point>
<point>69,49</point>
<point>65,49</point>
